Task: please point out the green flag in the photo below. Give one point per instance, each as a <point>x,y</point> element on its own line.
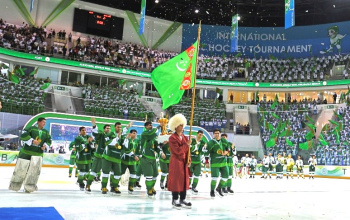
<point>13,77</point>
<point>348,92</point>
<point>122,81</point>
<point>34,71</point>
<point>275,102</point>
<point>325,127</point>
<point>289,142</point>
<point>271,128</point>
<point>219,91</point>
<point>311,126</point>
<point>322,140</point>
<point>238,55</point>
<point>173,77</point>
<point>334,123</point>
<point>271,142</point>
<point>272,57</point>
<point>20,71</point>
<point>337,115</point>
<point>309,135</point>
<point>247,64</point>
<point>275,116</point>
<point>45,86</point>
<point>305,145</point>
<point>308,118</point>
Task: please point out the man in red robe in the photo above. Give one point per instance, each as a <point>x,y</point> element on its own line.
<point>178,179</point>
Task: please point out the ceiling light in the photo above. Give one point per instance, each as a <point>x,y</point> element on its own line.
<point>307,11</point>
<point>156,1</point>
<point>238,18</point>
<point>196,11</point>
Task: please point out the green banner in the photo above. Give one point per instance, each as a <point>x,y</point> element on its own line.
<point>10,157</point>
<point>148,75</point>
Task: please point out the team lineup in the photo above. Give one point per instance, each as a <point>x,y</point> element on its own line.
<point>111,154</point>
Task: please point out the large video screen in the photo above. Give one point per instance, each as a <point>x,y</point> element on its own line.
<point>61,132</point>
<point>98,24</point>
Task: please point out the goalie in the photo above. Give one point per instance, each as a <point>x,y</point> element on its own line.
<point>28,165</point>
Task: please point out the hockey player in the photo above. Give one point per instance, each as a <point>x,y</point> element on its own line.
<point>101,138</point>
<point>72,159</point>
<point>197,145</point>
<point>231,151</point>
<point>300,167</point>
<point>36,139</point>
<point>279,166</point>
<point>111,158</point>
<point>164,163</point>
<point>83,145</point>
<point>218,164</point>
<point>312,166</point>
<point>149,147</point>
<point>265,166</point>
<point>271,162</point>
<point>290,165</point>
<point>129,158</point>
<point>252,166</point>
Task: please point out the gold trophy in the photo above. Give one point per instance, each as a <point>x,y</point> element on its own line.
<point>163,122</point>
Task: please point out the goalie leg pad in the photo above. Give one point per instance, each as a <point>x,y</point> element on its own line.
<point>19,174</point>
<point>33,174</point>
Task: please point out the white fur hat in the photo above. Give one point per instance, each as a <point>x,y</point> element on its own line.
<point>176,120</point>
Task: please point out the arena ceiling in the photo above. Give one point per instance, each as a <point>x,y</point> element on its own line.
<point>253,13</point>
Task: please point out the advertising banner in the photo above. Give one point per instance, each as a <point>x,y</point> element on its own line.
<point>296,42</point>
<point>10,157</point>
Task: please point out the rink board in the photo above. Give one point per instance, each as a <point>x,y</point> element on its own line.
<point>9,158</point>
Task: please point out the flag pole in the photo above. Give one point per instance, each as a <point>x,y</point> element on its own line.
<point>194,89</point>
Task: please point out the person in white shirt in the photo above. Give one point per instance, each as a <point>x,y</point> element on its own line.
<point>290,165</point>
<point>252,167</point>
<point>312,166</point>
<point>245,161</point>
<point>300,166</point>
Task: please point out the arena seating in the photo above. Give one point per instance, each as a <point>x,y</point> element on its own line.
<point>23,98</point>
<point>207,113</point>
<point>286,124</point>
<point>335,148</point>
<point>110,52</point>
<point>114,102</point>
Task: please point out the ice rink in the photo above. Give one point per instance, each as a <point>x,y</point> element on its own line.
<point>257,198</point>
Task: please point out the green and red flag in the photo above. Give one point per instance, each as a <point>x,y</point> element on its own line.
<point>271,142</point>
<point>325,127</point>
<point>322,140</point>
<point>309,135</point>
<point>45,86</point>
<point>306,145</point>
<point>35,71</point>
<point>13,76</point>
<point>173,77</point>
<point>308,118</point>
<point>275,116</point>
<point>289,142</point>
<point>122,82</point>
